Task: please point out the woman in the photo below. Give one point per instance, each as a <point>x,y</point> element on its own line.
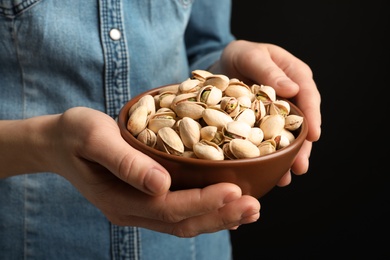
<point>71,187</point>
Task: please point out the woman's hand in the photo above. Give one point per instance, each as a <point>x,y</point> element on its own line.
<point>272,65</point>
<point>132,189</point>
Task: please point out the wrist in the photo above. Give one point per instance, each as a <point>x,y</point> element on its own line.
<point>25,145</point>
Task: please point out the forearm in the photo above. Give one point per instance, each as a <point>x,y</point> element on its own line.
<point>25,145</point>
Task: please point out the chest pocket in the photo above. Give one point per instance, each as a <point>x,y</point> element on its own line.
<point>12,8</point>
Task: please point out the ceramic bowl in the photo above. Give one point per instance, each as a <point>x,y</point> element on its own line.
<point>256,176</point>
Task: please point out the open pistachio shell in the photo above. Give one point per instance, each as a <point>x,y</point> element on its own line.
<point>238,89</point>
<point>201,75</point>
<point>148,101</point>
<point>189,85</point>
<point>218,80</point>
<point>169,141</point>
<point>210,95</point>
<point>147,137</point>
<point>267,94</point>
<point>236,129</point>
<point>161,119</point>
<point>208,150</point>
<point>247,116</point>
<point>267,147</point>
<point>293,122</point>
<point>138,120</point>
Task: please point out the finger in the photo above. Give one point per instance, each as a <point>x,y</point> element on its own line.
<point>309,101</point>
<point>285,180</point>
<point>301,163</point>
<point>241,211</point>
<point>177,205</point>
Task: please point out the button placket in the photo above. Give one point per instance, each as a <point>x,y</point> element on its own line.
<point>116,56</point>
<point>125,240</point>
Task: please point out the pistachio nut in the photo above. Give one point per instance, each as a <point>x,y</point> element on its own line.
<point>169,141</point>
<point>189,131</point>
<point>138,120</point>
<point>208,150</point>
<point>242,149</point>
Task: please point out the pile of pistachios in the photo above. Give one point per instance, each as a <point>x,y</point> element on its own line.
<point>211,116</point>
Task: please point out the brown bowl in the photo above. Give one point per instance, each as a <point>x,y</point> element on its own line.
<point>255,176</point>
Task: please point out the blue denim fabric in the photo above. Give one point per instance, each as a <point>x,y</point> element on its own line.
<point>57,54</point>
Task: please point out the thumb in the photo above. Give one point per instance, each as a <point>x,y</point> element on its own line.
<point>130,165</point>
<point>140,171</point>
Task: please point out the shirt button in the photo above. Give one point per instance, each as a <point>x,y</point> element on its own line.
<point>115,34</point>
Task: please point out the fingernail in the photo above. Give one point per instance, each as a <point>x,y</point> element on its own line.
<point>234,228</point>
<point>249,217</point>
<point>155,181</point>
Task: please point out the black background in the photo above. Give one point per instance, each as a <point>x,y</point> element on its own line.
<point>340,208</point>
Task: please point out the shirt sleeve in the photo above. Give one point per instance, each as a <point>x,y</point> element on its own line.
<point>208,32</point>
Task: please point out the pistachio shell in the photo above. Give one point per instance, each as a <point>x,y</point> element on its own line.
<point>189,154</point>
<point>218,80</point>
<point>293,122</point>
<point>238,89</point>
<point>256,135</point>
<point>210,95</point>
<point>189,85</point>
<point>267,147</point>
<point>243,149</point>
<point>138,120</point>
<point>244,101</point>
<point>230,105</point>
<point>208,132</point>
<point>160,120</point>
<point>272,125</point>
<point>208,150</point>
<point>259,108</point>
<point>174,88</point>
<point>212,134</point>
<point>165,99</point>
<point>147,137</point>
<point>281,141</point>
<point>290,136</point>
<point>189,131</point>
<point>267,94</point>
<point>281,107</point>
<point>190,109</point>
<point>247,116</point>
<point>216,117</point>
<point>236,129</point>
<point>148,101</point>
<point>201,75</point>
<point>183,97</point>
<point>169,141</point>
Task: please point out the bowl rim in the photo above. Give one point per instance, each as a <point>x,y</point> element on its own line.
<point>122,122</point>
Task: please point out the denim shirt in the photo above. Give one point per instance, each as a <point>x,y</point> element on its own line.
<point>57,54</point>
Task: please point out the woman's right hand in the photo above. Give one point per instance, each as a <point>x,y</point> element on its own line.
<point>85,147</point>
